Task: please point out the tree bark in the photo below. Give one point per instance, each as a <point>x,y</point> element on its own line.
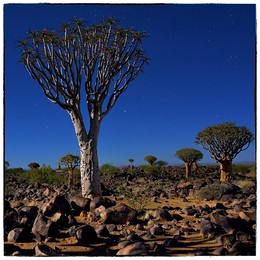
<point>226,171</point>
<point>89,168</point>
<point>188,169</point>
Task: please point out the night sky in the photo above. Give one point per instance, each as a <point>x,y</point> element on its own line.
<point>201,72</point>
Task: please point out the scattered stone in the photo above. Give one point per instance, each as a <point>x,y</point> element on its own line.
<point>134,249</point>
<point>56,204</point>
<point>118,214</point>
<point>220,251</point>
<point>86,234</point>
<point>44,227</point>
<point>44,250</point>
<point>19,235</point>
<point>156,231</point>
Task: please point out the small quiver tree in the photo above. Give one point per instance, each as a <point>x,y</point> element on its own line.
<point>150,159</point>
<point>71,162</point>
<point>224,142</point>
<point>189,156</point>
<point>131,164</point>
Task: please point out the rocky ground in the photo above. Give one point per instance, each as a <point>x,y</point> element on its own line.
<point>138,215</point>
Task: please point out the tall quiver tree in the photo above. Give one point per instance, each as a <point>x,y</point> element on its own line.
<point>189,156</point>
<point>93,63</point>
<point>224,142</point>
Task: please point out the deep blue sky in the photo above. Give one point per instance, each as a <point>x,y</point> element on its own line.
<point>201,72</point>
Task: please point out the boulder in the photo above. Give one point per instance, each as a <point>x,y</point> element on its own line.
<point>86,234</point>
<point>19,235</point>
<point>162,214</point>
<point>118,214</point>
<point>79,203</point>
<point>98,201</point>
<point>44,250</point>
<point>134,249</point>
<point>44,227</point>
<point>60,219</point>
<point>58,203</point>
<point>206,228</point>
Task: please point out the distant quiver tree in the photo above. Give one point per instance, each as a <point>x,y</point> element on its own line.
<point>150,159</point>
<point>224,142</point>
<point>93,63</point>
<point>71,161</point>
<point>189,156</point>
<point>33,165</point>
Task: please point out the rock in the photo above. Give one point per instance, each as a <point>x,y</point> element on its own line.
<point>206,228</point>
<point>223,221</point>
<point>72,231</point>
<point>60,219</point>
<point>98,201</point>
<point>44,227</point>
<point>27,211</point>
<point>79,203</point>
<point>242,236</point>
<point>244,216</point>
<point>134,249</point>
<point>102,231</point>
<point>226,240</point>
<point>134,237</point>
<point>44,250</point>
<point>19,235</point>
<point>189,211</point>
<point>172,242</point>
<point>162,214</point>
<point>86,234</point>
<point>156,231</point>
<point>118,214</point>
<point>185,185</point>
<point>244,249</point>
<point>220,251</point>
<point>9,249</point>
<point>111,227</point>
<point>56,204</point>
<point>72,220</point>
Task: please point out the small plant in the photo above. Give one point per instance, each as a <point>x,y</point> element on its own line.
<point>137,197</point>
<point>109,168</point>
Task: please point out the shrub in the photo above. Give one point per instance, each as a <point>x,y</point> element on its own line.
<point>244,184</point>
<point>216,191</point>
<point>44,175</point>
<point>109,169</point>
<point>241,169</point>
<point>151,169</point>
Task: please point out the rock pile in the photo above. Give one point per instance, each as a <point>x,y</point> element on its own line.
<point>107,226</point>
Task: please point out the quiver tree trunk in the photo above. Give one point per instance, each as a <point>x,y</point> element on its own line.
<point>89,168</point>
<point>187,169</point>
<point>226,171</point>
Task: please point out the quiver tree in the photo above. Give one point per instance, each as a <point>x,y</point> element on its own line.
<point>93,63</point>
<point>33,165</point>
<point>150,159</point>
<point>189,156</point>
<point>131,164</point>
<point>70,161</point>
<point>224,142</point>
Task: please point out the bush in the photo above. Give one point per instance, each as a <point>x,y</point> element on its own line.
<point>44,175</point>
<point>241,169</point>
<point>109,169</point>
<point>152,169</point>
<point>216,191</point>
